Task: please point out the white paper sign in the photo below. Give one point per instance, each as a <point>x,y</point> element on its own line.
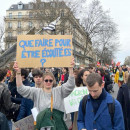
<point>34,113</point>
<point>26,123</point>
<point>72,101</point>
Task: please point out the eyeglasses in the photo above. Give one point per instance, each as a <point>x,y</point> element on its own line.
<point>48,80</point>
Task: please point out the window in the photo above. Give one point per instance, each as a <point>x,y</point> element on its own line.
<point>19,15</point>
<point>19,32</point>
<point>41,5</point>
<point>9,25</point>
<point>62,32</point>
<point>20,6</point>
<point>52,4</point>
<point>30,6</point>
<point>30,14</point>
<point>10,15</point>
<point>30,24</point>
<point>10,34</point>
<point>62,13</point>
<point>19,24</point>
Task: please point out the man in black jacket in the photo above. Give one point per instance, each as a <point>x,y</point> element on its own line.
<point>6,106</point>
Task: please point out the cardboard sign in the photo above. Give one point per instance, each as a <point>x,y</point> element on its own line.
<point>44,51</point>
<point>72,101</point>
<point>26,123</point>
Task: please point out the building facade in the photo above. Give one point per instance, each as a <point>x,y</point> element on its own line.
<point>20,18</point>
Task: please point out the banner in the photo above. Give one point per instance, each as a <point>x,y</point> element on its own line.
<point>72,101</point>
<point>26,123</point>
<point>44,51</point>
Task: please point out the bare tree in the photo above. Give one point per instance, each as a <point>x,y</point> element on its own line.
<point>1,36</point>
<point>127,61</point>
<point>101,30</point>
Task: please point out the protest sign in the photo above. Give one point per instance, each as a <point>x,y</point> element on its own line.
<point>26,123</point>
<point>72,101</point>
<point>44,51</point>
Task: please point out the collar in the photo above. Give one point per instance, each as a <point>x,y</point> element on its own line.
<point>102,95</point>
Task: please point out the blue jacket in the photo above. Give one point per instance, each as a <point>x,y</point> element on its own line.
<point>102,119</point>
<point>25,109</point>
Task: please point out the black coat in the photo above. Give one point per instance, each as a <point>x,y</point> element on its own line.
<point>107,81</point>
<point>6,106</point>
<point>124,98</point>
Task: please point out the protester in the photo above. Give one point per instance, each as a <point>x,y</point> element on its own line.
<point>16,97</point>
<point>92,69</point>
<point>6,106</point>
<point>64,75</point>
<point>43,97</point>
<point>119,77</point>
<point>27,104</point>
<point>80,82</point>
<point>96,115</point>
<point>124,98</point>
<point>126,75</point>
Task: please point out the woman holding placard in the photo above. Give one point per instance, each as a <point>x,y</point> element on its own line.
<point>48,97</point>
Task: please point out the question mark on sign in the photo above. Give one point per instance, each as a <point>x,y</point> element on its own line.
<point>43,61</point>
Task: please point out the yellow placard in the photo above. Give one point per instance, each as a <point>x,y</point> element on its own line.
<point>44,51</point>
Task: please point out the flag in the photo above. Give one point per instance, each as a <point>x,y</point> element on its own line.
<point>52,25</point>
<point>98,63</point>
<point>118,64</point>
<point>112,62</point>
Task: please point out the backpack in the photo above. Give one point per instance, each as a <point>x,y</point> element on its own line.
<point>111,107</point>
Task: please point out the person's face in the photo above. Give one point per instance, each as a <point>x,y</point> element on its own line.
<point>64,70</point>
<point>84,77</point>
<point>75,74</point>
<point>48,82</point>
<point>120,69</point>
<point>96,90</point>
<point>99,72</point>
<point>47,70</point>
<point>38,80</point>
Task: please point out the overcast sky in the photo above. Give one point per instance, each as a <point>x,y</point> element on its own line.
<point>119,11</point>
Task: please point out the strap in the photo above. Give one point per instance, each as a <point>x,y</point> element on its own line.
<point>84,102</point>
<point>51,102</point>
<point>111,108</point>
<point>129,93</point>
<point>51,105</point>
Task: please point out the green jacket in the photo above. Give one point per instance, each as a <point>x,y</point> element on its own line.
<point>56,122</point>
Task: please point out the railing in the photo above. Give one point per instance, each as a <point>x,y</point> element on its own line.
<point>10,39</point>
<point>78,53</point>
<point>77,43</point>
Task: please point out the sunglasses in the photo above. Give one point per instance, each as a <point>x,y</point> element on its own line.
<point>48,80</point>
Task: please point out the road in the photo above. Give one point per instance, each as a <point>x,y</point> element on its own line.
<point>115,88</point>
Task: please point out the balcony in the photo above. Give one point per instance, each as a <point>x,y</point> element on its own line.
<point>77,43</point>
<point>10,39</point>
<point>78,53</point>
<point>90,58</point>
<point>17,17</point>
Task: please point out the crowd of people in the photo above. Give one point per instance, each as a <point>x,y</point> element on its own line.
<point>45,89</point>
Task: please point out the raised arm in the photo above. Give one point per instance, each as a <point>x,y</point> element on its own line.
<point>71,68</point>
<point>18,74</point>
<point>25,91</point>
<point>68,87</point>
